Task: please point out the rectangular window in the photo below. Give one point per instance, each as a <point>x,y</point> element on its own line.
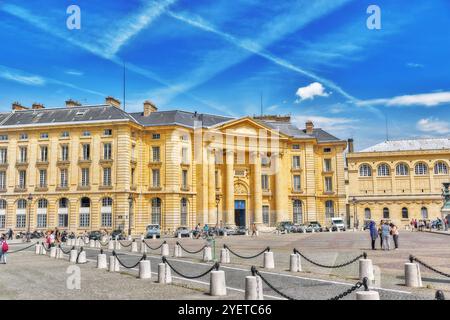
<point>3,155</point>
<point>328,184</point>
<point>22,179</point>
<point>265,213</point>
<point>63,174</point>
<point>86,151</point>
<point>44,135</point>
<point>156,136</point>
<point>63,220</point>
<point>155,177</point>
<point>106,176</point>
<point>184,155</point>
<point>297,185</point>
<point>23,136</point>
<point>41,220</point>
<point>43,178</point>
<point>107,151</point>
<point>2,180</point>
<point>64,152</point>
<point>326,150</point>
<point>184,178</point>
<point>295,146</point>
<point>107,219</point>
<point>23,154</point>
<point>265,182</point>
<point>21,220</point>
<point>155,154</point>
<point>327,165</point>
<point>65,134</point>
<point>44,153</point>
<point>84,220</point>
<point>3,137</point>
<point>132,176</point>
<point>107,132</point>
<point>86,133</point>
<point>85,177</point>
<point>2,221</point>
<point>296,162</point>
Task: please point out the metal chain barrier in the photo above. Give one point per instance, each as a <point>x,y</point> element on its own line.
<point>153,248</point>
<point>357,285</point>
<point>81,250</point>
<point>192,252</point>
<point>256,272</point>
<point>144,257</point>
<point>246,257</point>
<point>66,252</point>
<point>364,255</point>
<point>21,249</point>
<point>412,259</point>
<point>214,267</point>
<point>125,246</point>
<point>103,244</point>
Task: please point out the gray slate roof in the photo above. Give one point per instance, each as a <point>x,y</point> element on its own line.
<point>410,145</point>
<point>183,118</point>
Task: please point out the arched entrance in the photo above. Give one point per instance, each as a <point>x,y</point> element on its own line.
<point>240,204</point>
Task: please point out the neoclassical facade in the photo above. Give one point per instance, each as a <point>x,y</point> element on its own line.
<point>95,167</point>
<point>399,180</point>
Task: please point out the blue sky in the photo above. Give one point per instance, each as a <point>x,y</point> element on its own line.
<point>312,59</point>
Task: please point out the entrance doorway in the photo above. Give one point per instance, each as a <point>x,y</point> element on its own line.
<point>239,213</point>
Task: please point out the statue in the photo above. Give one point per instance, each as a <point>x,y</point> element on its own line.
<point>445,210</point>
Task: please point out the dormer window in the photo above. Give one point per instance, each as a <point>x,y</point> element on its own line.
<point>23,136</point>
<point>156,136</point>
<point>107,132</point>
<point>80,113</point>
<point>86,133</point>
<point>326,150</point>
<point>44,135</point>
<point>296,147</point>
<point>65,134</point>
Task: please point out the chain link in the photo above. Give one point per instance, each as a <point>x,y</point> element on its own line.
<point>154,248</point>
<point>412,258</point>
<point>21,249</point>
<point>144,257</point>
<point>364,255</point>
<point>125,246</point>
<point>66,252</point>
<point>256,272</point>
<point>214,267</point>
<point>192,252</point>
<point>248,257</point>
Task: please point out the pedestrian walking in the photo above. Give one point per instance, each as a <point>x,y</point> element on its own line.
<point>254,230</point>
<point>3,249</point>
<point>373,233</point>
<point>386,234</point>
<point>10,234</point>
<point>379,233</point>
<point>394,232</point>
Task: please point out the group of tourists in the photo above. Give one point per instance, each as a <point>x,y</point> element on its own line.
<point>385,230</point>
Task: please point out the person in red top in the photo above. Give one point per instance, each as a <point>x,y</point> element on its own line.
<point>3,249</point>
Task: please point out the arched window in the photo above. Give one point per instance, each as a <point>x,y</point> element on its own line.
<point>106,211</point>
<point>383,170</point>
<point>421,169</point>
<point>424,212</point>
<point>367,214</point>
<point>85,211</point>
<point>385,213</point>
<point>2,214</point>
<point>21,214</point>
<point>402,169</point>
<point>42,213</point>
<point>297,211</point>
<point>404,213</point>
<point>156,211</point>
<point>440,168</point>
<point>365,171</point>
<point>329,210</point>
<point>183,211</point>
<point>63,213</point>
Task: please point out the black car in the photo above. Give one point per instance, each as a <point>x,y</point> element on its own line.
<point>95,235</point>
<point>119,233</point>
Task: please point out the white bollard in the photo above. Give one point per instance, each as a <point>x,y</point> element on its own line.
<point>110,245</point>
<point>225,234</point>
<point>43,251</point>
<point>164,273</point>
<point>246,232</point>
<point>179,235</point>
<point>257,233</point>
<point>224,255</point>
<point>143,247</point>
<point>207,256</point>
<point>134,247</point>
<point>154,237</point>
<point>77,242</point>
<point>253,288</point>
<point>91,243</point>
<point>165,250</point>
<point>59,253</point>
<point>142,237</point>
<point>312,230</point>
<point>73,255</point>
<point>117,245</point>
<point>367,295</point>
<point>366,270</point>
<point>295,264</point>
<point>413,277</point>
<point>177,251</point>
<point>268,260</point>
<point>82,257</point>
<point>98,245</point>
<point>130,238</point>
<point>101,261</point>
<point>37,248</point>
<point>52,252</point>
<point>190,235</point>
<point>145,269</point>
<point>217,285</point>
<point>338,230</point>
<point>113,264</point>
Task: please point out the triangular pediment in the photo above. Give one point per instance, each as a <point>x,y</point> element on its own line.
<point>246,127</point>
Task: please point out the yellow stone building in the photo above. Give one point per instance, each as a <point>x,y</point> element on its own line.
<point>398,180</point>
<point>98,167</point>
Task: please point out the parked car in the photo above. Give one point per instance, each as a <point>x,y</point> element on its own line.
<point>95,235</point>
<point>182,231</point>
<point>299,228</point>
<point>314,225</point>
<point>337,224</point>
<point>240,230</point>
<point>119,233</point>
<point>153,229</point>
<point>285,226</point>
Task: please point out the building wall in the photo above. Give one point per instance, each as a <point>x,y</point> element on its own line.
<point>395,192</point>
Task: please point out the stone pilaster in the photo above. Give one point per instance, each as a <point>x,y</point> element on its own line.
<point>229,194</point>
<point>257,204</point>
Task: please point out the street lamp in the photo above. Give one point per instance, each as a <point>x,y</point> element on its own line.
<point>217,213</point>
<point>130,203</point>
<point>30,198</point>
<point>354,211</point>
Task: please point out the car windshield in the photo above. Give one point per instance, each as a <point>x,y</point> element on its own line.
<point>152,227</point>
<point>338,221</point>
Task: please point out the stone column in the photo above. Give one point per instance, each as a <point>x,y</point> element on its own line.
<point>211,189</point>
<point>257,204</point>
<point>280,206</point>
<point>229,192</point>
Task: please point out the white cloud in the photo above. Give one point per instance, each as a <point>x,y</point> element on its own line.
<point>414,65</point>
<point>20,77</point>
<point>74,73</point>
<point>310,91</point>
<point>426,99</point>
<point>433,125</point>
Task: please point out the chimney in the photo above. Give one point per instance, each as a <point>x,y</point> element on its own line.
<point>37,106</point>
<point>17,106</point>
<point>149,107</point>
<point>350,145</point>
<point>112,102</point>
<point>309,127</point>
<point>72,103</point>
